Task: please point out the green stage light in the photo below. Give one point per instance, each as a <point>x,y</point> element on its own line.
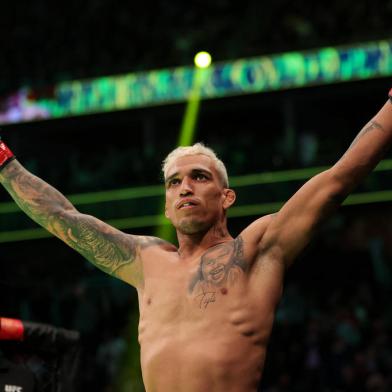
<point>187,132</point>
<point>202,60</point>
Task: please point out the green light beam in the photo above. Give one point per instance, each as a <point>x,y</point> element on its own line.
<point>186,138</point>
<point>164,229</point>
<point>189,121</point>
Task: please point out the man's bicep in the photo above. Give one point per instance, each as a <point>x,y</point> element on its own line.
<point>111,250</point>
<point>294,225</point>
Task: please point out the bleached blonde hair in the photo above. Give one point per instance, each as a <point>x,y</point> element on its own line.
<point>197,149</point>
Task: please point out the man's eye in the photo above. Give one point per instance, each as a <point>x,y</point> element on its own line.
<point>200,177</point>
<point>174,181</point>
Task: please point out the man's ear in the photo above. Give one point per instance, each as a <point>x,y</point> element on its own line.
<point>229,198</point>
<point>166,210</point>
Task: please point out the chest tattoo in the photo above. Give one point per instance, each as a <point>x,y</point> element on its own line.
<point>220,268</point>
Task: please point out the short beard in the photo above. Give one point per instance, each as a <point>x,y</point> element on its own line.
<point>192,227</point>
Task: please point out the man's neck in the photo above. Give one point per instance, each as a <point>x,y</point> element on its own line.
<point>194,245</point>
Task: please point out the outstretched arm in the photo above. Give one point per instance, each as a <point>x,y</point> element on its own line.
<point>291,228</point>
<point>109,249</point>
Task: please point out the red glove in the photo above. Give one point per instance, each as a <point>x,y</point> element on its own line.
<point>6,155</point>
<point>11,329</point>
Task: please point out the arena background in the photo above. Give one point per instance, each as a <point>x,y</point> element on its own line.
<point>333,327</point>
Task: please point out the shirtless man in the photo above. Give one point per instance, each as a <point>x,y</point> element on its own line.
<point>206,308</point>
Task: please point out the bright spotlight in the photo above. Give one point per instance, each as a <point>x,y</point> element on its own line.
<point>202,60</point>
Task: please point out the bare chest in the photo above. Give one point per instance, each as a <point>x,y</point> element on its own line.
<point>181,304</point>
<point>219,294</point>
<point>210,322</point>
<point>173,314</point>
<point>177,295</point>
<point>188,290</point>
<point>212,313</point>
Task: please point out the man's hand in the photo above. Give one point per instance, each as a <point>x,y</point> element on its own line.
<point>6,155</point>
<point>11,329</point>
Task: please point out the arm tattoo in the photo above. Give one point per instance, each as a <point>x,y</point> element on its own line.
<point>371,156</point>
<point>371,126</point>
<point>219,268</point>
<point>34,196</point>
<point>106,247</point>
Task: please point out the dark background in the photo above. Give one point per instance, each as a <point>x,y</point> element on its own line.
<point>333,326</point>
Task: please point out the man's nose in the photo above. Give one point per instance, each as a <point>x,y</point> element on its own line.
<point>186,187</point>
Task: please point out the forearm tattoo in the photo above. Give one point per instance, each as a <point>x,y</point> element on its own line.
<point>371,126</point>
<point>106,247</point>
<point>371,154</point>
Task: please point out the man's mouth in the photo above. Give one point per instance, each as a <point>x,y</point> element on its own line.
<point>186,204</point>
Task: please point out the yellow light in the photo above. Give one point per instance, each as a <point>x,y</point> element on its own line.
<point>202,60</point>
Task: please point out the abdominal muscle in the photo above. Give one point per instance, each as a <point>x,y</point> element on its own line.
<point>220,348</point>
<point>201,366</point>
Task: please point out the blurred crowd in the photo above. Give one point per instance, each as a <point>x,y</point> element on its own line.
<point>339,343</point>
<point>333,327</point>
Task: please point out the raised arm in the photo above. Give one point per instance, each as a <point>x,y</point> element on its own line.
<point>111,250</point>
<point>290,230</point>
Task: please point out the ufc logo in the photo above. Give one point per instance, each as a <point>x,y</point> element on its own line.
<point>13,388</point>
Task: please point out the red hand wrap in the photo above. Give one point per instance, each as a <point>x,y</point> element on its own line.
<point>6,155</point>
<point>11,329</point>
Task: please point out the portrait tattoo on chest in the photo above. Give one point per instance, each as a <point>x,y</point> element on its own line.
<point>220,268</point>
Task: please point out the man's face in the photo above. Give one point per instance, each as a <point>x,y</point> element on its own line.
<point>215,263</point>
<point>195,196</point>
